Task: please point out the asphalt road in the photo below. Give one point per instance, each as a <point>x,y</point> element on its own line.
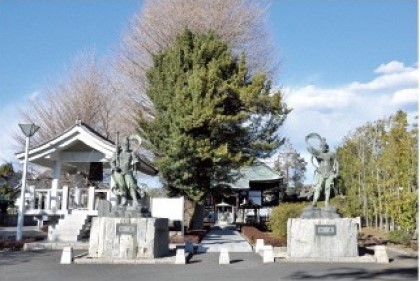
<point>44,266</point>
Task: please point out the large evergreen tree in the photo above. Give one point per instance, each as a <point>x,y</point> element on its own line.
<point>211,116</point>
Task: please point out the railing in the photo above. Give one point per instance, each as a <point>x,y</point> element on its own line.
<point>66,199</point>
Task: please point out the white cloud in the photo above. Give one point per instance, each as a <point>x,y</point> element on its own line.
<point>334,112</point>
<point>391,67</point>
<point>389,81</point>
<point>405,96</point>
<point>309,97</point>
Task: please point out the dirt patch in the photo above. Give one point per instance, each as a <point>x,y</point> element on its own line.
<point>370,236</point>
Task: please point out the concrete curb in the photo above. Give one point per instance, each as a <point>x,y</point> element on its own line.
<point>362,259</point>
<point>51,246</point>
<point>88,260</point>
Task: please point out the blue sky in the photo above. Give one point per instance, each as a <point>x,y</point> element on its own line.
<point>40,37</point>
<point>333,42</point>
<point>342,62</point>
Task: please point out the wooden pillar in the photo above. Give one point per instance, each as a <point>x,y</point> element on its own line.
<point>32,199</point>
<point>48,201</point>
<point>56,173</point>
<point>91,198</point>
<point>65,198</point>
<point>40,197</point>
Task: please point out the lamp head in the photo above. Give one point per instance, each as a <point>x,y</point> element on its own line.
<point>29,129</point>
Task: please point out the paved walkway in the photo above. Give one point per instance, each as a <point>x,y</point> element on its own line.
<point>227,237</point>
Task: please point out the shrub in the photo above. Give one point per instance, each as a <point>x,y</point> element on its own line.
<point>399,237</point>
<point>252,233</point>
<point>341,203</point>
<point>277,222</point>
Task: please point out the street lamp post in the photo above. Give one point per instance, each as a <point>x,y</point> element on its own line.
<point>28,130</point>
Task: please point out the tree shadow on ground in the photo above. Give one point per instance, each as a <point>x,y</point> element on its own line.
<point>404,257</point>
<point>18,257</point>
<point>409,273</point>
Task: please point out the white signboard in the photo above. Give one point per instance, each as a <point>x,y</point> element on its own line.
<point>170,208</point>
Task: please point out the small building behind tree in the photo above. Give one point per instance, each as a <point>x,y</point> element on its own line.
<point>252,196</point>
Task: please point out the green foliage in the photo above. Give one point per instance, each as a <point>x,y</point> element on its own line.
<point>210,115</point>
<point>340,202</point>
<point>404,210</point>
<point>399,237</point>
<point>280,214</point>
<point>378,172</point>
<point>6,192</point>
<point>6,170</point>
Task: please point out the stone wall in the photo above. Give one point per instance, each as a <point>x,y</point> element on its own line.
<point>129,238</point>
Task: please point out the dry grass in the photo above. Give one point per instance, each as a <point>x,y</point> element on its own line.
<point>370,236</point>
<point>374,232</point>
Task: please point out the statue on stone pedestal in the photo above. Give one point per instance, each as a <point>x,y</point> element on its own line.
<point>124,183</point>
<point>326,170</point>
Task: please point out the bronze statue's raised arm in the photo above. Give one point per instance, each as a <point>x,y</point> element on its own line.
<point>313,151</point>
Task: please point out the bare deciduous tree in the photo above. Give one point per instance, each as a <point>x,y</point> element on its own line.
<point>84,93</point>
<point>291,164</point>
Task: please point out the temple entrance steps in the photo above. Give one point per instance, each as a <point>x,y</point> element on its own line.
<point>71,228</point>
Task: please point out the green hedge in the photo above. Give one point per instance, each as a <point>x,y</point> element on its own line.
<point>280,214</point>
<point>399,237</point>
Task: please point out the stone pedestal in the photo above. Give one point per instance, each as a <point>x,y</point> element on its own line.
<point>129,238</point>
<point>321,238</point>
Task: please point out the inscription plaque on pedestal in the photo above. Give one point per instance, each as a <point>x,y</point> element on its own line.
<point>127,229</point>
<point>325,229</point>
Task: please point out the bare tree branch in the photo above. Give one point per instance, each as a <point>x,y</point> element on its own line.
<point>84,93</point>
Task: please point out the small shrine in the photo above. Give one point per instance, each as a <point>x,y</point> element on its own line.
<point>80,148</point>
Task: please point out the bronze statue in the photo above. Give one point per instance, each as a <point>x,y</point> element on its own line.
<point>123,166</point>
<point>326,170</point>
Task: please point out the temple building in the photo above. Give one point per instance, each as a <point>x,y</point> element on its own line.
<point>252,195</point>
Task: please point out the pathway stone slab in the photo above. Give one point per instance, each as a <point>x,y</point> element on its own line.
<point>224,238</point>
